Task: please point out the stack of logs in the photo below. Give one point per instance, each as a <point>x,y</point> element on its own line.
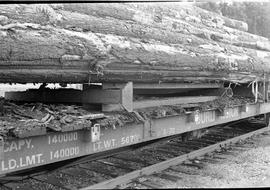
<point>120,42</point>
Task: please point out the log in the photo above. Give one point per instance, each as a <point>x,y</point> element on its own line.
<point>122,17</point>
<point>50,54</point>
<point>129,11</point>
<point>49,43</point>
<point>94,18</point>
<point>194,14</point>
<point>112,26</point>
<point>171,17</point>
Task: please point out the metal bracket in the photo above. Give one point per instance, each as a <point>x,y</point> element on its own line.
<point>197,116</point>
<point>256,92</point>
<point>266,119</point>
<point>1,148</point>
<point>193,116</point>
<point>95,133</point>
<point>244,108</point>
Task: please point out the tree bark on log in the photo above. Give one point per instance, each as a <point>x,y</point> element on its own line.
<point>74,47</point>
<point>171,17</point>
<point>176,19</point>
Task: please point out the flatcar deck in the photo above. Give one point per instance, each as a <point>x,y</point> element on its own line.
<point>24,153</point>
<point>146,163</point>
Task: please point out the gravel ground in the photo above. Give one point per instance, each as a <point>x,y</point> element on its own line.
<point>242,167</point>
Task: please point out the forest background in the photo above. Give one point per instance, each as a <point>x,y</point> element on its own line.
<point>255,14</point>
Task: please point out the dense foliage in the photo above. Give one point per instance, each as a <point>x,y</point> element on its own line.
<point>255,14</point>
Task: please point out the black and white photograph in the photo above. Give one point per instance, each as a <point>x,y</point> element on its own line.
<point>134,94</point>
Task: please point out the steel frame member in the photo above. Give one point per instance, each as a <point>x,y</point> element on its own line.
<point>25,153</point>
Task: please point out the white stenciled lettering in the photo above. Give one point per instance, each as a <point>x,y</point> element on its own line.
<point>230,113</point>
<point>106,144</point>
<point>13,146</point>
<point>129,139</point>
<point>12,164</point>
<point>62,138</point>
<point>30,160</point>
<point>28,142</point>
<point>21,143</point>
<point>109,143</point>
<point>21,162</point>
<point>17,145</point>
<point>204,117</point>
<point>64,153</point>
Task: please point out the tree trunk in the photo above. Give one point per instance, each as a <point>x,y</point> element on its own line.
<point>175,18</point>
<point>42,43</point>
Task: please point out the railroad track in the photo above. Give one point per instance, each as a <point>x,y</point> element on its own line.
<point>144,167</point>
